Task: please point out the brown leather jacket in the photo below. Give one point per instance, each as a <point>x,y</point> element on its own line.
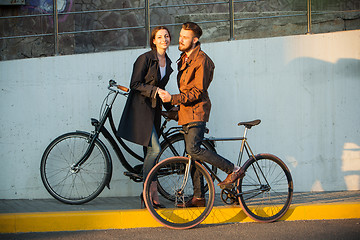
<point>194,78</point>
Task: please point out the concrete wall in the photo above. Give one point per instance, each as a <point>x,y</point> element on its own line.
<point>305,89</point>
<point>339,17</point>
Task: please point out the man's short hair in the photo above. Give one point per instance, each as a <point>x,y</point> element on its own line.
<point>193,27</point>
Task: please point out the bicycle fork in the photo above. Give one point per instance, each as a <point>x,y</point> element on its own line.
<point>264,185</point>
<point>180,192</point>
<point>94,136</point>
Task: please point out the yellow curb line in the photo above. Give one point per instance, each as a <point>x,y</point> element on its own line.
<point>120,219</point>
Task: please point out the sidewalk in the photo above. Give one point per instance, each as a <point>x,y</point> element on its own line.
<point>44,215</point>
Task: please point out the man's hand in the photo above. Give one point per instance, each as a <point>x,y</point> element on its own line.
<point>164,95</point>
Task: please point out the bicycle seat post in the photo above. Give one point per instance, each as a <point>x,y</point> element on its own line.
<point>245,132</point>
<point>242,147</point>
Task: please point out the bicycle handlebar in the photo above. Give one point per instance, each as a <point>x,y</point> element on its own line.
<point>112,83</point>
<point>122,88</point>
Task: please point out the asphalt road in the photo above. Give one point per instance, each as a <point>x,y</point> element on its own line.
<point>330,229</point>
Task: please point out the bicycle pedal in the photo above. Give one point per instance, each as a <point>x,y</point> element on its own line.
<point>133,176</point>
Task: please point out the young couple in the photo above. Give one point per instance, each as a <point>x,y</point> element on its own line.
<point>140,121</point>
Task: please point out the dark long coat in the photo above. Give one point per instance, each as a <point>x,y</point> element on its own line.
<point>142,110</point>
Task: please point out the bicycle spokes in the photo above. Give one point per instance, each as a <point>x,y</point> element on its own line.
<point>265,192</point>
<point>68,181</point>
<point>173,176</point>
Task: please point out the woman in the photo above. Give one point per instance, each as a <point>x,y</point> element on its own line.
<point>140,121</point>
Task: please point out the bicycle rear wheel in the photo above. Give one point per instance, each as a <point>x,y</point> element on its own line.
<point>171,172</point>
<point>175,146</point>
<point>69,184</point>
<point>266,191</point>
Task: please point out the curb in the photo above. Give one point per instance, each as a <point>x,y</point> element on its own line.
<point>121,219</point>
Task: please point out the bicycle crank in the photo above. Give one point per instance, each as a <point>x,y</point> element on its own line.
<point>228,196</point>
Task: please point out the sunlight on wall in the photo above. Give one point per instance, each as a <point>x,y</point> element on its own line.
<point>350,164</point>
<point>292,161</point>
<point>317,187</point>
<point>352,182</point>
<point>351,157</point>
<point>315,47</point>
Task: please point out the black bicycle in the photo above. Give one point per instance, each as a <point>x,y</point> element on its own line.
<point>76,166</point>
<point>265,193</point>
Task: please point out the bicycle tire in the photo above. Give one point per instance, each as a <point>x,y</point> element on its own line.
<point>178,142</point>
<point>265,199</point>
<point>75,186</point>
<point>171,216</point>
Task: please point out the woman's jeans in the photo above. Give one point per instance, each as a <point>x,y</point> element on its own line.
<point>152,152</point>
<point>194,134</point>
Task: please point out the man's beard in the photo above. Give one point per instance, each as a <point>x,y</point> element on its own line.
<point>185,49</point>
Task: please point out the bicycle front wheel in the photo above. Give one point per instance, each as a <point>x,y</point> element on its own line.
<point>175,146</point>
<point>266,191</point>
<point>176,214</point>
<point>69,184</point>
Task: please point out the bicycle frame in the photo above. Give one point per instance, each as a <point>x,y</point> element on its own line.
<point>101,129</point>
<point>244,145</point>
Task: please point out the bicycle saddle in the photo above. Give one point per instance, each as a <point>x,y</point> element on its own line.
<point>250,124</point>
<point>172,115</point>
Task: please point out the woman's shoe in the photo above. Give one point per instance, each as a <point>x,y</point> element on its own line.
<point>158,205</point>
<point>142,204</point>
<point>154,196</point>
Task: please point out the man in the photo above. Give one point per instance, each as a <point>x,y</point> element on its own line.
<point>195,74</point>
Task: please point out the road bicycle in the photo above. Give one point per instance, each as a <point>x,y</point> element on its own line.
<point>264,193</point>
<point>76,166</point>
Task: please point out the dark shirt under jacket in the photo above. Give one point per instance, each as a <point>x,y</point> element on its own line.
<point>142,110</point>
